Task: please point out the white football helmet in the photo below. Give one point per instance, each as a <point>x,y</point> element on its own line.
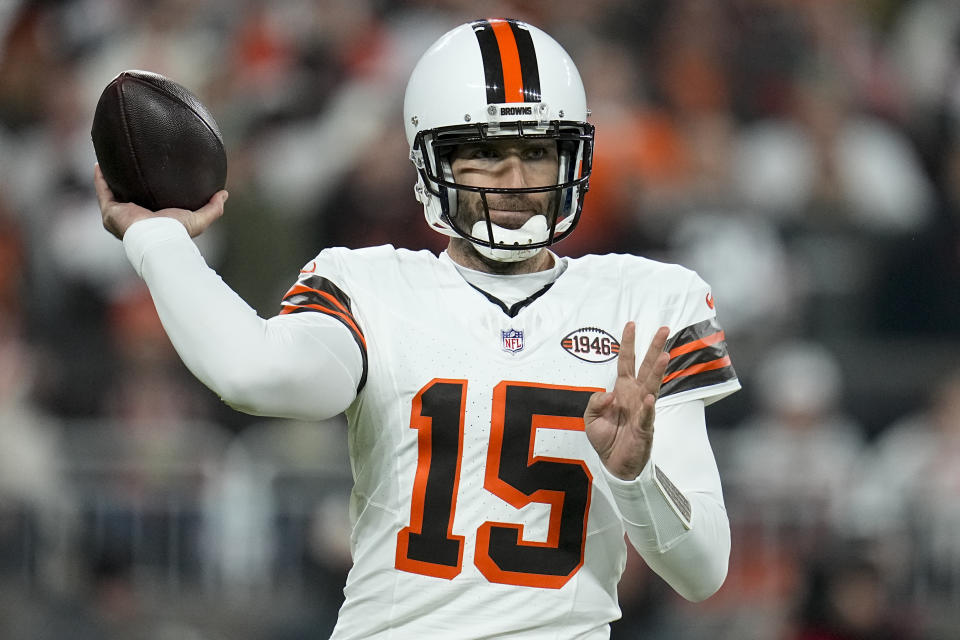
<point>497,79</point>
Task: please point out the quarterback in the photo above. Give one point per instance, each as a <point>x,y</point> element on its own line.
<point>515,418</point>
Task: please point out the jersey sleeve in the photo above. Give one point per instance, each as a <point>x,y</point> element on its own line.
<point>316,291</point>
<point>673,512</point>
<point>700,366</point>
<point>302,366</point>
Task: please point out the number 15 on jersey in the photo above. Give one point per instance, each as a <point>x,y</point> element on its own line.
<point>428,545</point>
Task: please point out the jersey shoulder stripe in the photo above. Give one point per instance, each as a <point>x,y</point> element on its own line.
<point>313,293</point>
<point>698,358</point>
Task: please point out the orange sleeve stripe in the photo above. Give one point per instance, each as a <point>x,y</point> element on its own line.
<point>510,59</point>
<point>342,316</point>
<point>719,363</point>
<point>697,344</point>
<point>299,288</point>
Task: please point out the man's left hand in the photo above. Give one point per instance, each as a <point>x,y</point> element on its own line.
<point>619,423</point>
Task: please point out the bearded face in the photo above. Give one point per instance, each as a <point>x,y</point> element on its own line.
<point>506,164</point>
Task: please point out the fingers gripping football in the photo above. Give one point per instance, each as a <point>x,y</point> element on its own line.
<point>619,423</point>
<point>118,216</point>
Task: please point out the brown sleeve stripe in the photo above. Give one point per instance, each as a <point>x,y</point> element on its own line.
<point>299,288</point>
<point>698,358</point>
<point>322,284</point>
<point>713,338</point>
<point>698,368</point>
<point>300,298</point>
<point>317,294</point>
<point>344,318</point>
<point>694,333</point>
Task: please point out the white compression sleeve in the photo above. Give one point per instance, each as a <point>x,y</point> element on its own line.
<point>304,365</point>
<point>674,512</point>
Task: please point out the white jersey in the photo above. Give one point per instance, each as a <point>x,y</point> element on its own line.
<point>480,509</point>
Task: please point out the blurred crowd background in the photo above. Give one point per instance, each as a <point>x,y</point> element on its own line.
<point>802,155</point>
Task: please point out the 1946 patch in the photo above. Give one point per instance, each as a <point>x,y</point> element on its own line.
<point>591,344</point>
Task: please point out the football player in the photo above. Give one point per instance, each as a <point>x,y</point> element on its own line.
<point>503,436</point>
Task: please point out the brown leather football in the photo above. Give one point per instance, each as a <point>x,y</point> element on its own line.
<point>158,146</point>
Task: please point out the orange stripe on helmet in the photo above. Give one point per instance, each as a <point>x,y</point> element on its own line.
<point>510,59</point>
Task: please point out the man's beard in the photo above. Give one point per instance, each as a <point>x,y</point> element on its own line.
<point>527,205</point>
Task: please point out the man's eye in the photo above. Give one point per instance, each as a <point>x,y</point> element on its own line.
<point>536,153</point>
<point>479,153</point>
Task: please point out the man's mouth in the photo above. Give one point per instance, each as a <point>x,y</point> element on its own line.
<point>510,219</point>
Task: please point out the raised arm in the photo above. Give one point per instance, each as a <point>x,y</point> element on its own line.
<point>304,366</point>
<point>664,479</point>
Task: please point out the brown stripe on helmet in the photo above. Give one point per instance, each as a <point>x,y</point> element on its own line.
<point>529,68</point>
<point>492,64</point>
<point>510,68</point>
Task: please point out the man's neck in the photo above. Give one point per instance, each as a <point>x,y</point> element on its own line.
<point>463,253</point>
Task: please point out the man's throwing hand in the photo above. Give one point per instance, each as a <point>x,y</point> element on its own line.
<point>118,216</point>
<point>619,423</point>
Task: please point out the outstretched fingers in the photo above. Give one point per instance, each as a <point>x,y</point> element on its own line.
<point>654,362</point>
<point>627,358</point>
<point>619,422</point>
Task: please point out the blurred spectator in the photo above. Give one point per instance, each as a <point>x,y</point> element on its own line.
<point>148,383</point>
<point>918,292</point>
<point>354,216</point>
<point>279,514</point>
<point>845,597</point>
<point>35,500</point>
<point>638,153</point>
<point>923,48</point>
<point>786,468</point>
<point>662,111</point>
<point>849,36</point>
<point>303,162</point>
<point>829,163</point>
<point>793,458</point>
<point>762,292</point>
<point>906,498</point>
<point>12,264</point>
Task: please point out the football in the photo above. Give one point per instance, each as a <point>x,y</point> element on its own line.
<point>158,146</point>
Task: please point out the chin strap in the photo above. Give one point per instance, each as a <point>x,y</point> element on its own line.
<point>533,231</point>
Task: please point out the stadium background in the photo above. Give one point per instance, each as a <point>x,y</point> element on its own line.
<point>802,155</point>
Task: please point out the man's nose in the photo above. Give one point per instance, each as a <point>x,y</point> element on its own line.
<point>514,172</point>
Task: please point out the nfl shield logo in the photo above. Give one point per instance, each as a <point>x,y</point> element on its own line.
<point>511,340</point>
